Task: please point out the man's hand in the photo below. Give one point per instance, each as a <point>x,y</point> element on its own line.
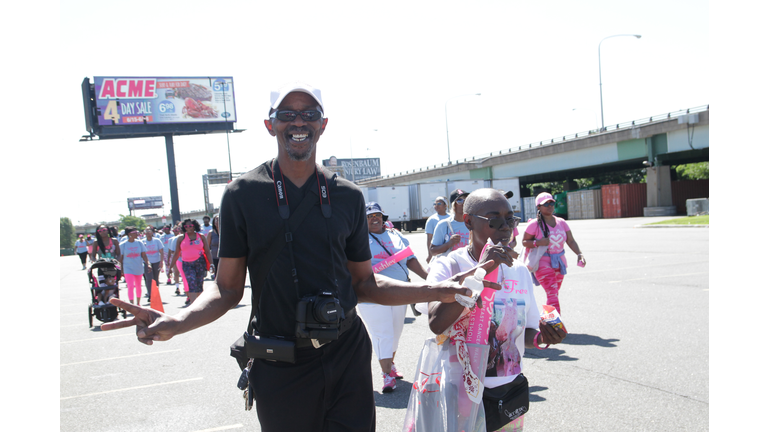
<point>151,325</point>
<point>550,335</point>
<point>448,288</point>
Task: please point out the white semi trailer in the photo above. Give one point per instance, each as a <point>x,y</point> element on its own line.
<point>410,206</point>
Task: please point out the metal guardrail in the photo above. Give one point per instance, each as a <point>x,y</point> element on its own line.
<point>557,140</point>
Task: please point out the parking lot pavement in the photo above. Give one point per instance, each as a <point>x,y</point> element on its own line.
<point>636,358</point>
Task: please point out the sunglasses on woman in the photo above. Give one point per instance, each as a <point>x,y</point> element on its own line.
<point>189,226</point>
<point>101,230</point>
<point>498,222</point>
<point>290,115</point>
<point>548,204</point>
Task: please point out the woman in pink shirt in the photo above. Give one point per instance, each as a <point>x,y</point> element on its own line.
<point>195,255</point>
<point>550,230</point>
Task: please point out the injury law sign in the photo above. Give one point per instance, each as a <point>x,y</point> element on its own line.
<point>158,100</point>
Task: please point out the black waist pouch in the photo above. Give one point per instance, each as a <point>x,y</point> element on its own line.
<point>248,347</point>
<point>506,403</point>
<point>237,350</point>
<point>270,349</point>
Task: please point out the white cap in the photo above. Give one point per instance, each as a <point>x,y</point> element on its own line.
<point>278,95</point>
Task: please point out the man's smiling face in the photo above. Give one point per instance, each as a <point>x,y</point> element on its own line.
<point>297,138</point>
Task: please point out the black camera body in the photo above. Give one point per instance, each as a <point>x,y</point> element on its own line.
<point>319,317</point>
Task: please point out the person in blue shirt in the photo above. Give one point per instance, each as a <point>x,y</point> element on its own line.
<point>155,256</point>
<point>451,233</point>
<point>441,207</point>
<point>385,323</point>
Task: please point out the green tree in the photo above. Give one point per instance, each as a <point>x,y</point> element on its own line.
<point>66,233</point>
<point>127,220</point>
<point>553,187</point>
<point>616,177</point>
<point>694,171</point>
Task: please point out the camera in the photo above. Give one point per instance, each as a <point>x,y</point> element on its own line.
<point>319,317</point>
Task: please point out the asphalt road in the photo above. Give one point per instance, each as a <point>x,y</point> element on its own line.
<point>636,357</point>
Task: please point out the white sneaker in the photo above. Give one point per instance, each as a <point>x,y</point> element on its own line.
<point>101,303</point>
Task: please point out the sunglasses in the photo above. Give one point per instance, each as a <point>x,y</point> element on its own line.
<point>548,204</point>
<point>289,115</point>
<point>497,222</point>
<point>101,230</point>
<point>440,203</point>
<point>373,215</point>
<point>460,201</point>
<point>189,226</point>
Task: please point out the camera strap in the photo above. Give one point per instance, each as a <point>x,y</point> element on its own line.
<point>283,209</point>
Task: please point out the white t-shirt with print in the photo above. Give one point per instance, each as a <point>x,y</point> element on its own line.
<point>515,309</point>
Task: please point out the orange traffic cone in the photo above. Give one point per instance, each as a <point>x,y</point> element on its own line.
<point>156,302</point>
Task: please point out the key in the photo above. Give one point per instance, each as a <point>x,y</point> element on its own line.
<point>242,383</point>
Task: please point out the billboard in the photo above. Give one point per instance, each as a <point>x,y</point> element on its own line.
<point>163,100</point>
<point>356,169</point>
<point>145,203</point>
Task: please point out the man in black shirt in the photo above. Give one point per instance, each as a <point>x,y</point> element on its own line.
<point>328,387</point>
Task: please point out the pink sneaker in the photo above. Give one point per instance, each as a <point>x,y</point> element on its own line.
<point>394,373</point>
<point>389,383</point>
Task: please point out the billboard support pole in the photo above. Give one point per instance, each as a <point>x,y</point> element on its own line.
<point>175,213</point>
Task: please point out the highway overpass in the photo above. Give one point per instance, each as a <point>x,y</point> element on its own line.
<point>652,143</point>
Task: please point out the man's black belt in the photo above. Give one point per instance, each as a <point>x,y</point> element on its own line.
<point>346,324</point>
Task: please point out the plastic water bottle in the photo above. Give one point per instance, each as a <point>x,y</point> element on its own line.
<point>474,283</point>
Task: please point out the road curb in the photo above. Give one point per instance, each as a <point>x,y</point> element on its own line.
<point>671,226</point>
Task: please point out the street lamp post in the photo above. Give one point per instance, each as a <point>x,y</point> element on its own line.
<point>447,140</point>
<point>600,72</point>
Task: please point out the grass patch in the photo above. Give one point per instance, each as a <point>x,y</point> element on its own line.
<point>690,220</point>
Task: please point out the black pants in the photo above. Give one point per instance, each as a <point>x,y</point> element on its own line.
<point>82,257</point>
<point>150,273</point>
<point>327,389</point>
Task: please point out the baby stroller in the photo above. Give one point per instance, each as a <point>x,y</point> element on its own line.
<point>102,278</point>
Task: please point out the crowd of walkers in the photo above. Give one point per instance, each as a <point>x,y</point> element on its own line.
<point>145,254</point>
<point>305,345</point>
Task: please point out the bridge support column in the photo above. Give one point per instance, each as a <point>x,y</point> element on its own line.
<point>659,192</point>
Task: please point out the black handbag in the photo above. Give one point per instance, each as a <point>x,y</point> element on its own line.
<point>505,403</point>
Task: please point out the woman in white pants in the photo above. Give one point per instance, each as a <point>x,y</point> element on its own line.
<point>385,323</point>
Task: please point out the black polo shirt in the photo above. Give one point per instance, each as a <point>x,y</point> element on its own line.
<point>249,221</point>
